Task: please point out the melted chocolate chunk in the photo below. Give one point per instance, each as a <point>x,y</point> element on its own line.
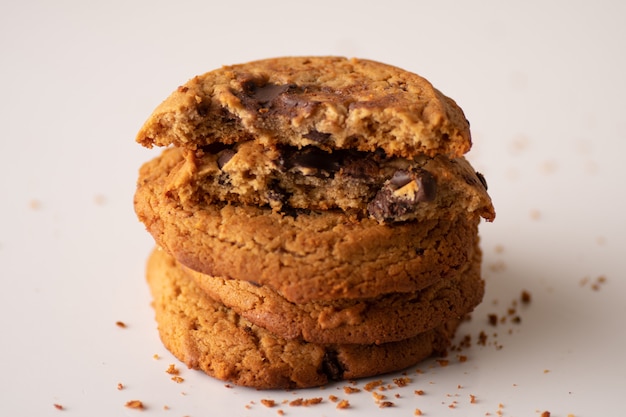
<point>331,366</point>
<point>312,159</point>
<point>390,206</point>
<point>286,99</point>
<point>264,93</point>
<point>225,156</point>
<point>318,137</point>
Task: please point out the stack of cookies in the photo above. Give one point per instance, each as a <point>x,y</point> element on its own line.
<point>315,220</point>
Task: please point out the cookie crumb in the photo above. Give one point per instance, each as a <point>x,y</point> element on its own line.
<point>172,370</point>
<point>166,407</point>
<point>343,404</point>
<point>120,324</point>
<point>120,386</point>
<point>35,204</point>
<point>462,358</point>
<point>545,414</point>
<point>268,403</point>
<point>402,382</point>
<point>351,390</point>
<point>419,392</point>
<point>493,319</point>
<point>385,404</point>
<point>305,402</point>
<point>156,356</point>
<point>443,362</point>
<point>99,199</point>
<point>525,297</point>
<point>177,379</point>
<point>371,385</point>
<point>58,406</point>
<point>472,399</point>
<point>417,412</point>
<point>135,404</point>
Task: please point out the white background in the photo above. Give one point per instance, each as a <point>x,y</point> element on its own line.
<point>542,82</point>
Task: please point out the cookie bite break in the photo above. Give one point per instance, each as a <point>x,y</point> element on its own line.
<point>322,205</point>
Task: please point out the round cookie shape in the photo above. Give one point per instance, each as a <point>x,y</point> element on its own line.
<point>206,335</point>
<point>383,319</point>
<point>328,102</point>
<point>304,256</point>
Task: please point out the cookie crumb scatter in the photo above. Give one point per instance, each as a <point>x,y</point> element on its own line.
<point>58,406</point>
<point>268,403</point>
<point>135,404</point>
<point>343,404</point>
<point>120,324</point>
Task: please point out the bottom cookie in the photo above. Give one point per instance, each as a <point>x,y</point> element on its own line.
<point>206,335</point>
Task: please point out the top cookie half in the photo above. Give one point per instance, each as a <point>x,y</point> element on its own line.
<point>328,102</point>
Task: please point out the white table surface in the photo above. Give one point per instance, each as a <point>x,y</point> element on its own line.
<point>542,82</point>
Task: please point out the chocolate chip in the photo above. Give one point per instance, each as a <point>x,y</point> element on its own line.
<point>401,178</point>
<point>285,99</point>
<point>361,168</point>
<point>311,160</point>
<point>225,156</point>
<point>482,179</point>
<point>331,366</point>
<point>427,186</point>
<point>263,92</point>
<point>390,206</point>
<point>318,137</point>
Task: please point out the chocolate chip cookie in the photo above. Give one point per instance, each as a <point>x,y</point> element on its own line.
<point>386,318</point>
<point>206,335</point>
<point>304,255</point>
<point>326,102</point>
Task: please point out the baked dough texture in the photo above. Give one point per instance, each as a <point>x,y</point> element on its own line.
<point>332,102</point>
<point>204,334</point>
<point>315,219</point>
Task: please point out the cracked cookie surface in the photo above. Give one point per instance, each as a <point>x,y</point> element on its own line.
<point>389,189</point>
<point>206,335</point>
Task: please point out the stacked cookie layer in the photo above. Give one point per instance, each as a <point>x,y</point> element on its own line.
<point>316,220</point>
